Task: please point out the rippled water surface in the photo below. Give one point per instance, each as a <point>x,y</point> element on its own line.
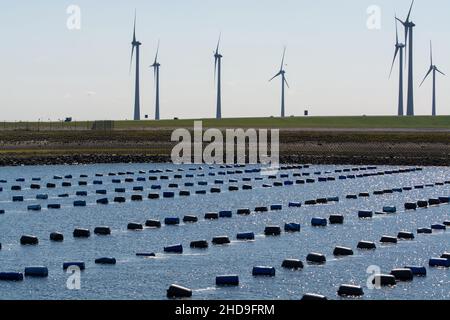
<point>140,278</point>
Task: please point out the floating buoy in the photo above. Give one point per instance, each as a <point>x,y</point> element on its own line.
<point>147,255</point>
<point>292,227</point>
<point>153,196</point>
<point>363,214</point>
<point>29,240</point>
<point>168,194</point>
<point>417,270</point>
<point>225,214</point>
<point>54,206</point>
<point>211,216</point>
<point>402,274</point>
<point>156,187</point>
<point>364,195</point>
<point>178,248</point>
<point>35,186</point>
<point>316,258</point>
<point>444,199</point>
<point>434,202</point>
<point>56,236</point>
<point>348,290</point>
<point>199,244</point>
<point>342,251</point>
<point>17,198</point>
<point>378,192</point>
<point>438,227</point>
<point>227,280</point>
<point>97,182</point>
<point>120,199</point>
<point>82,183</point>
<point>215,190</point>
<point>135,226</point>
<point>66,184</point>
<point>388,239</point>
<point>103,201</point>
<point>367,245</point>
<point>276,207</point>
<point>176,291</point>
<point>243,211</point>
<point>101,192</point>
<point>153,223</point>
<point>102,231</point>
<point>410,206</point>
<point>11,276</point>
<point>81,233</point>
<point>263,271</point>
<point>77,264</point>
<point>200,192</point>
<point>439,262</point>
<point>221,240</point>
<point>36,272</point>
<point>190,219</point>
<point>446,223</point>
<point>322,201</point>
<point>246,236</point>
<point>351,196</point>
<point>424,231</point>
<point>105,260</point>
<point>136,197</point>
<point>171,221</point>
<point>422,204</point>
<point>261,209</point>
<point>319,222</point>
<point>292,264</point>
<point>390,209</point>
<point>184,193</point>
<point>404,235</point>
<point>384,280</point>
<point>16,188</point>
<point>233,188</point>
<point>295,204</point>
<point>34,207</point>
<point>120,190</point>
<point>272,231</point>
<point>81,193</point>
<point>310,202</point>
<point>313,297</point>
<point>79,203</point>
<point>336,219</point>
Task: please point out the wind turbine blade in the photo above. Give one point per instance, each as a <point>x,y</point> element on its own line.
<point>396,30</point>
<point>440,72</point>
<point>215,67</point>
<point>278,74</point>
<point>218,43</point>
<point>429,71</point>
<point>131,60</point>
<point>282,60</point>
<point>431,53</point>
<point>157,52</point>
<point>134,28</point>
<point>154,74</point>
<point>285,81</point>
<point>393,61</point>
<point>409,13</point>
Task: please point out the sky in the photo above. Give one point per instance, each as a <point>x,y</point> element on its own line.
<point>335,64</point>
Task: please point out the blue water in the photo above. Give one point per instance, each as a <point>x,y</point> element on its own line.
<point>140,278</point>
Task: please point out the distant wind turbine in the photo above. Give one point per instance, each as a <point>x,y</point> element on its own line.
<point>218,74</point>
<point>284,82</point>
<point>409,26</point>
<point>399,49</point>
<point>135,45</point>
<point>434,69</point>
<point>155,67</point>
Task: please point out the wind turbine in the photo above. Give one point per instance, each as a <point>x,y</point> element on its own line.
<point>135,45</point>
<point>218,74</point>
<point>434,69</point>
<point>284,82</point>
<point>398,49</point>
<point>155,67</point>
<point>409,26</point>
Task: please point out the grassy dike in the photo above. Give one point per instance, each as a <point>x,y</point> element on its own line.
<point>329,140</point>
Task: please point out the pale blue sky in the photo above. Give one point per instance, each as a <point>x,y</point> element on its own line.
<point>335,65</point>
